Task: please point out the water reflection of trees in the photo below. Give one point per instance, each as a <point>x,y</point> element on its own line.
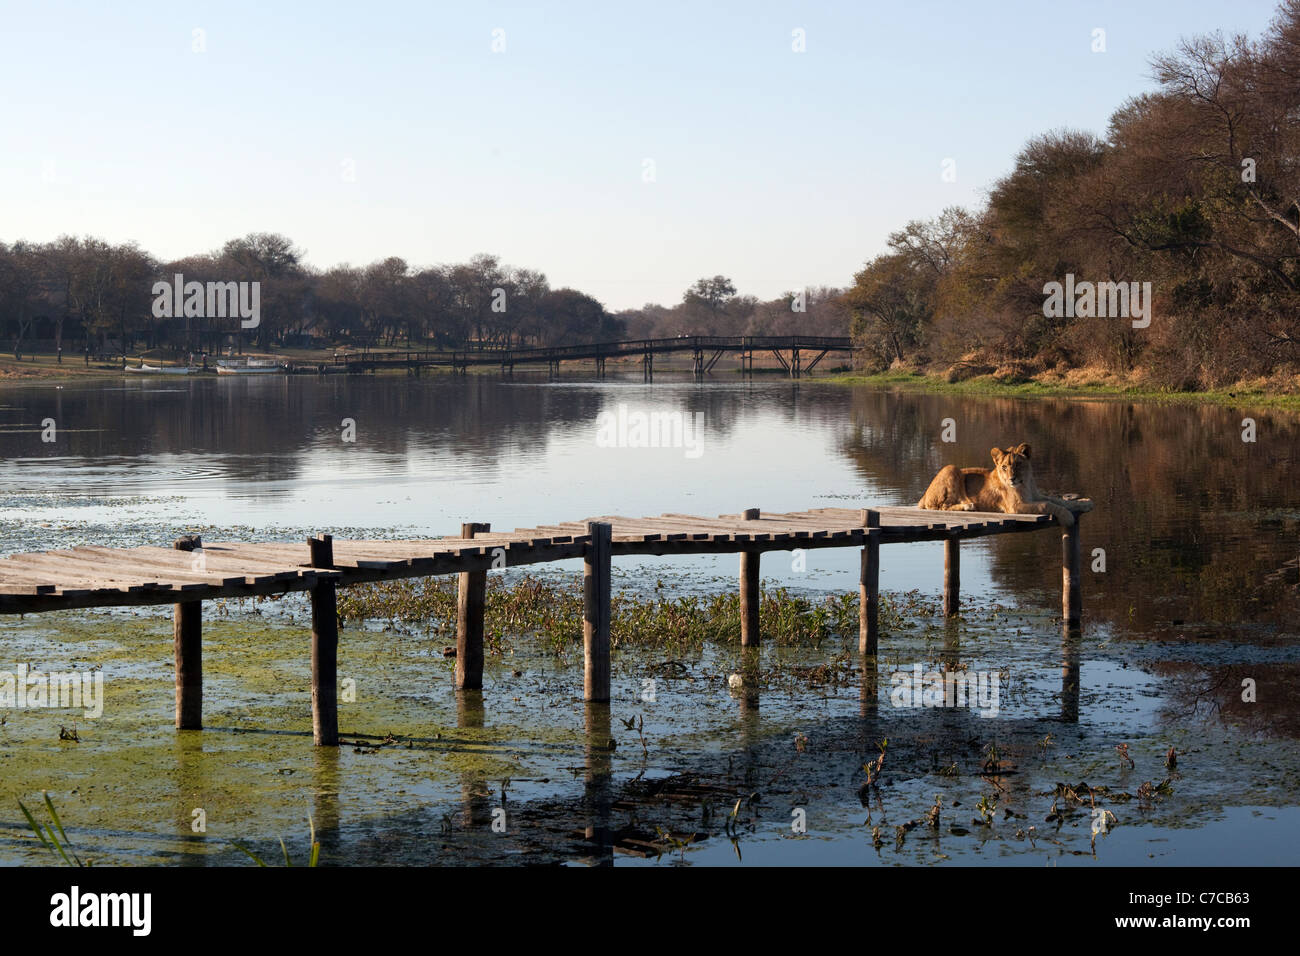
<point>1195,523</point>
<point>266,429</point>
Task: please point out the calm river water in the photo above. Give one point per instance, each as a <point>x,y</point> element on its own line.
<point>1189,640</point>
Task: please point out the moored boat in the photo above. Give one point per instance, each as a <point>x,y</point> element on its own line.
<point>251,367</point>
<point>142,368</point>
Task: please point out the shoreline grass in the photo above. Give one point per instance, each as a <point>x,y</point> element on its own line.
<point>991,387</point>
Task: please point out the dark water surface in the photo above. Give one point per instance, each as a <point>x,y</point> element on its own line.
<point>1196,531</point>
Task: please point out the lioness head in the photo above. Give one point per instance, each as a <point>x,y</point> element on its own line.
<point>1013,466</point>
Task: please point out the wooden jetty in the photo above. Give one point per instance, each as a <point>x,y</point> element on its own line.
<point>191,572</point>
<point>797,354</point>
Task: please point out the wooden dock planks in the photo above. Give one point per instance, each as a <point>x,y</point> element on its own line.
<point>191,572</point>
<point>92,576</point>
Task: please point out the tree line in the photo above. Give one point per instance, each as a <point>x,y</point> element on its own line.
<point>1195,188</point>
<point>101,296</point>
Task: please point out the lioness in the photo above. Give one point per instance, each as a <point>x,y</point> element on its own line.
<point>1008,488</point>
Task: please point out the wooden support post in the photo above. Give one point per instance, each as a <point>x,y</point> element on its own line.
<point>595,613</point>
<point>749,594</point>
<point>1071,575</point>
<point>869,587</point>
<point>471,595</point>
<point>324,648</point>
<point>187,643</point>
<point>951,576</point>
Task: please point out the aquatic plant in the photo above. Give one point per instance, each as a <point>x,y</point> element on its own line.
<point>553,612</point>
<point>313,858</point>
<point>47,836</point>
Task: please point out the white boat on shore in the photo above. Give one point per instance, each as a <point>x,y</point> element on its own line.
<point>144,369</point>
<point>251,367</point>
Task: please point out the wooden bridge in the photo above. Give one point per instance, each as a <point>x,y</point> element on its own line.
<point>191,572</point>
<point>797,354</point>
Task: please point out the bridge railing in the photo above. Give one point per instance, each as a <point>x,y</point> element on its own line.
<point>559,353</point>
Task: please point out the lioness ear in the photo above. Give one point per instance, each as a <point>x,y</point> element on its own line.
<point>997,455</point>
<point>1023,449</point>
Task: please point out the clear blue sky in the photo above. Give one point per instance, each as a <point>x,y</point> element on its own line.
<point>778,169</point>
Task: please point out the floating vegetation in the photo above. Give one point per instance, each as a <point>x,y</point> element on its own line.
<point>553,611</point>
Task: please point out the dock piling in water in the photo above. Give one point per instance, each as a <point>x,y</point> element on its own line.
<point>1071,592</point>
<point>324,647</point>
<point>595,612</point>
<point>951,576</point>
<point>750,597</point>
<point>471,597</point>
<point>869,587</point>
<point>187,642</point>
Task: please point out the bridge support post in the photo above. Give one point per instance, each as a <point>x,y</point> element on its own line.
<point>595,613</point>
<point>471,598</point>
<point>1071,575</point>
<point>324,648</point>
<point>794,363</point>
<point>951,576</point>
<point>187,643</point>
<point>869,587</point>
<point>750,598</point>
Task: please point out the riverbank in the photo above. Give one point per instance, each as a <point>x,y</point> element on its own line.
<point>1076,385</point>
<point>1252,394</point>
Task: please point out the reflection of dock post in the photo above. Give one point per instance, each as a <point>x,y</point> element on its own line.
<point>1071,642</point>
<point>324,647</point>
<point>325,798</point>
<point>951,657</point>
<point>475,798</point>
<point>749,592</point>
<point>869,586</point>
<point>748,695</point>
<point>187,642</point>
<point>471,597</point>
<point>595,613</point>
<point>192,787</point>
<point>1071,593</point>
<point>868,687</point>
<point>951,576</point>
<point>597,781</point>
